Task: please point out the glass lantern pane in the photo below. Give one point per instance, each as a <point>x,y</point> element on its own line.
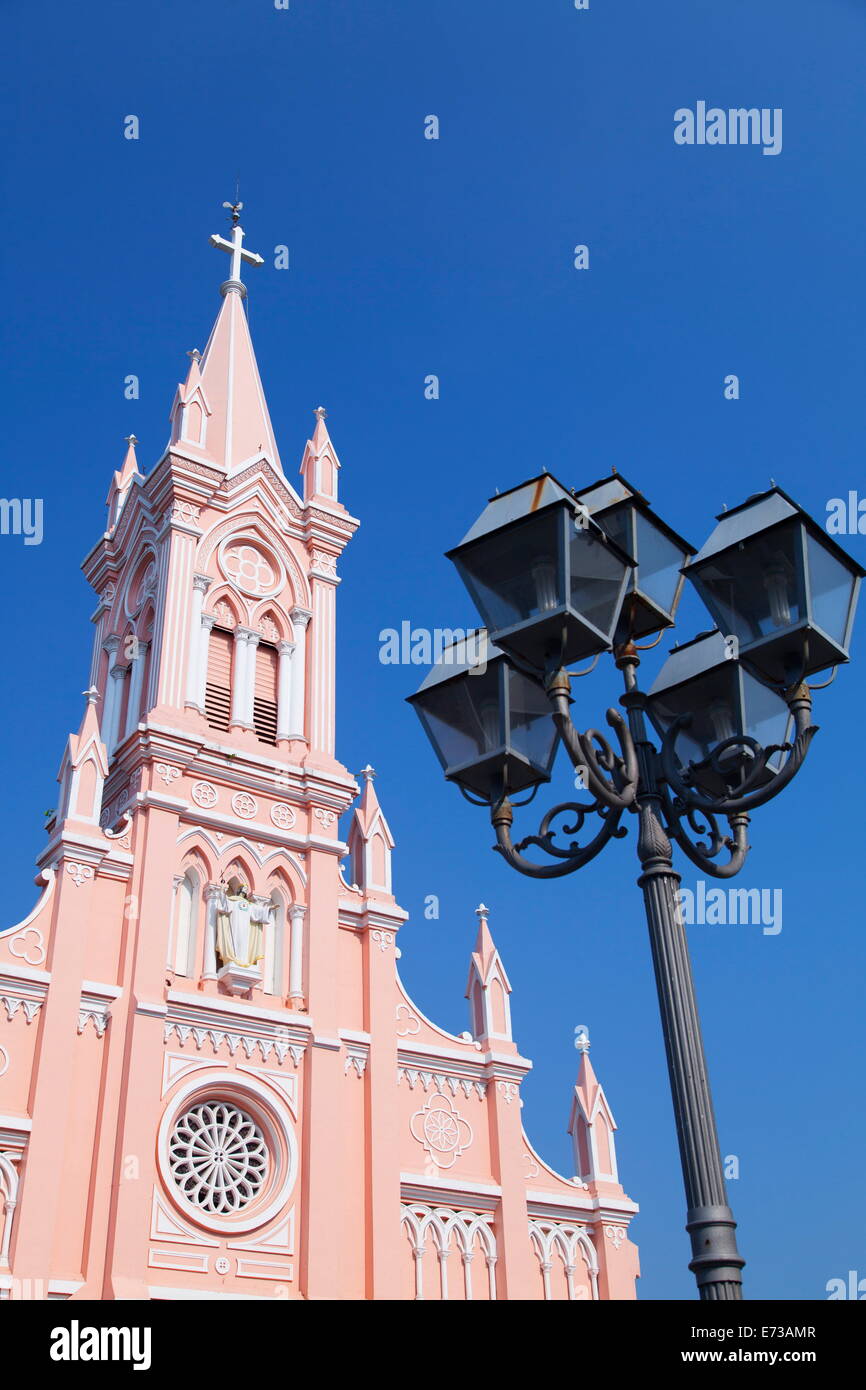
<point>617,524</point>
<point>533,732</point>
<point>516,574</point>
<point>596,579</point>
<point>754,591</point>
<point>659,562</point>
<point>830,585</point>
<point>712,702</point>
<point>717,720</point>
<point>767,717</point>
<point>664,711</point>
<point>463,717</point>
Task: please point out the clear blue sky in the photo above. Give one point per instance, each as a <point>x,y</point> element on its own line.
<point>454,257</point>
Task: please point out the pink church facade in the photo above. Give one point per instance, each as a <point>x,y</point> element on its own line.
<point>212,1082</point>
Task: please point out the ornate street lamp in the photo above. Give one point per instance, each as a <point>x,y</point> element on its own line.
<point>543,575</point>
<point>489,723</point>
<point>656,582</point>
<point>732,710</point>
<point>723,730</point>
<point>778,583</point>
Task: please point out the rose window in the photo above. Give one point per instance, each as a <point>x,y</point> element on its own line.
<point>218,1157</point>
<point>249,569</point>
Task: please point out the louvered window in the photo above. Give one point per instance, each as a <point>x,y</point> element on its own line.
<point>218,691</point>
<point>265,697</point>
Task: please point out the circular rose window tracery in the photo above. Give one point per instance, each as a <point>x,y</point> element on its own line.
<point>218,1157</point>
<point>251,567</point>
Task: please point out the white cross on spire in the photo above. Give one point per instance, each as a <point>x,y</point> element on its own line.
<point>235,249</point>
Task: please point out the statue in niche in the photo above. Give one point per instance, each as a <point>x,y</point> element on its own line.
<point>240,925</point>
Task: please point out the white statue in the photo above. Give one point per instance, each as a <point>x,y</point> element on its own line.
<point>240,927</point>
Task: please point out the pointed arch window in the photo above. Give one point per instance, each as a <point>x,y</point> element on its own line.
<point>192,422</point>
<point>145,656</point>
<point>187,901</point>
<point>478,1021</point>
<point>8,1202</point>
<point>218,688</point>
<point>275,934</point>
<point>127,647</point>
<point>266,692</point>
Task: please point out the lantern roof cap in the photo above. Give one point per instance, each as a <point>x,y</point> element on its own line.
<point>525,499</point>
<point>612,491</point>
<point>690,659</point>
<point>468,653</point>
<point>758,513</point>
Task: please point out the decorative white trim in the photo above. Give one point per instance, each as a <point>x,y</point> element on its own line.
<point>245,806</point>
<point>441,1032</point>
<point>441,1081</point>
<point>264,1269</point>
<point>243,1038</point>
<point>95,1006</point>
<point>204,794</point>
<point>23,992</point>
<point>29,946</point>
<point>357,1054</point>
<point>279,1241</point>
<point>167,1224</point>
<point>616,1235</point>
<point>49,878</point>
<point>167,772</point>
<point>536,1156</point>
<point>568,1242</point>
<point>9,1182</point>
<point>441,1130</point>
<point>264,838</point>
<point>179,1261</point>
<point>284,1083</point>
<point>176,1065</point>
<point>449,1228</point>
<point>79,873</point>
<point>405,1028</point>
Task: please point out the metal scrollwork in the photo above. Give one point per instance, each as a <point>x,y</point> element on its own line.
<point>572,856</point>
<point>619,781</point>
<point>612,778</point>
<point>750,793</point>
<point>698,835</point>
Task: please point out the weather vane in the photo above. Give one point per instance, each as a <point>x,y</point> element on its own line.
<point>235,209</point>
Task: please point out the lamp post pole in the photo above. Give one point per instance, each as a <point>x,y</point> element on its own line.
<point>716,1261</point>
<point>712,692</point>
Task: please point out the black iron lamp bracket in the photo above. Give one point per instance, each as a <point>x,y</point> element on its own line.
<point>616,781</point>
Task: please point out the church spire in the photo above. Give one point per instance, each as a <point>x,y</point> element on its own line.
<point>591,1124</point>
<point>320,465</point>
<point>122,481</point>
<point>488,987</point>
<point>220,412</point>
<point>370,841</point>
<point>84,769</point>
